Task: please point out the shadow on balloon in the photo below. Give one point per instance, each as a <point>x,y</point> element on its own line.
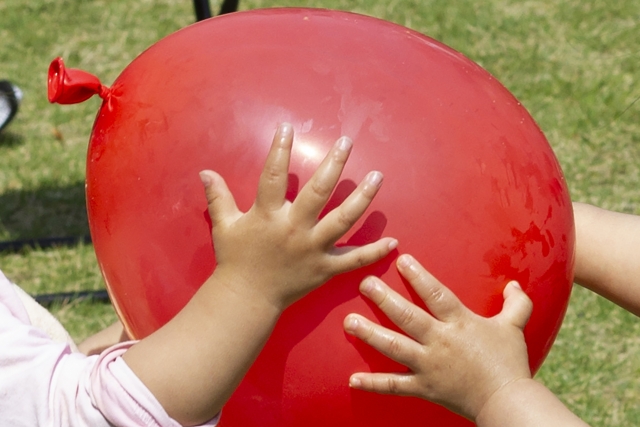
<point>306,316</point>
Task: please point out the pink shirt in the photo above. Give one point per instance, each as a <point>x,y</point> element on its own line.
<point>44,383</point>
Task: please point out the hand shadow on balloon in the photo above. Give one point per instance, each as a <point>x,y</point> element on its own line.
<point>308,313</point>
<point>371,230</point>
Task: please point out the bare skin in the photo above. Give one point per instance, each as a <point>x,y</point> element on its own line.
<point>606,254</point>
<point>194,363</point>
<point>97,343</point>
<point>474,366</point>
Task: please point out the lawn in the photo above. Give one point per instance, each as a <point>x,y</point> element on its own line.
<point>574,64</point>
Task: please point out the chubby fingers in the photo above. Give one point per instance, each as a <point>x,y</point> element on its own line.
<point>315,194</point>
<point>348,258</point>
<point>220,201</point>
<point>517,306</point>
<point>443,304</point>
<point>272,187</point>
<point>385,383</point>
<point>407,316</point>
<point>340,220</point>
<point>392,344</point>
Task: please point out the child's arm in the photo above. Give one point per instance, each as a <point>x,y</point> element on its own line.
<point>100,341</point>
<point>475,366</point>
<point>268,257</point>
<point>607,260</point>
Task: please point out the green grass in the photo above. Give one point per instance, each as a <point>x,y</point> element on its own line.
<point>573,63</point>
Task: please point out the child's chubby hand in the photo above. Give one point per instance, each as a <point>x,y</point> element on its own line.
<point>279,251</point>
<point>456,358</point>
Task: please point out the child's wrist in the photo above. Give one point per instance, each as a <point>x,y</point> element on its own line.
<point>235,287</point>
<point>501,399</point>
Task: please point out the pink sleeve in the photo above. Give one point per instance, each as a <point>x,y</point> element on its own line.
<point>45,383</point>
<point>127,397</point>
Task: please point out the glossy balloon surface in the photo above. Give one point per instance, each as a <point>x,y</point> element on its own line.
<point>472,190</point>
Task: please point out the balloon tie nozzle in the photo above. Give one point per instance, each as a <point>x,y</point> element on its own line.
<point>72,86</point>
<point>104,92</point>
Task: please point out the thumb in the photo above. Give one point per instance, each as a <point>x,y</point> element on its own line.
<point>517,306</point>
<point>220,201</point>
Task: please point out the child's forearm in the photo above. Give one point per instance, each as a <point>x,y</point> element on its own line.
<point>194,363</point>
<point>607,259</point>
<point>526,403</point>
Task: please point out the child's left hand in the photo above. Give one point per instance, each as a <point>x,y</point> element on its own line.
<point>457,358</point>
<point>279,250</point>
<point>267,258</point>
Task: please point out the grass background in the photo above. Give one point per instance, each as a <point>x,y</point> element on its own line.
<point>573,63</point>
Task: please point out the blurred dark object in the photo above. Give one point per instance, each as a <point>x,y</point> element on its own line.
<point>42,243</point>
<point>203,10</point>
<point>10,97</point>
<point>228,6</point>
<point>47,300</point>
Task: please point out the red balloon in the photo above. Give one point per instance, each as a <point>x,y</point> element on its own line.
<point>472,190</point>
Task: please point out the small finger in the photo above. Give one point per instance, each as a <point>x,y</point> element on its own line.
<point>407,316</point>
<point>220,201</point>
<point>400,384</point>
<point>348,258</point>
<point>442,303</point>
<point>315,194</point>
<point>517,306</point>
<point>340,220</point>
<point>272,187</point>
<point>392,344</point>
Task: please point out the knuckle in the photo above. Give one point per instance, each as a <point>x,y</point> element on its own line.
<point>356,260</point>
<point>361,261</point>
<point>406,316</point>
<point>382,299</point>
<point>343,219</point>
<point>392,386</point>
<point>271,173</point>
<point>526,301</point>
<point>435,294</point>
<point>368,192</point>
<point>368,334</point>
<point>212,198</point>
<point>320,188</point>
<point>394,347</point>
<point>339,157</point>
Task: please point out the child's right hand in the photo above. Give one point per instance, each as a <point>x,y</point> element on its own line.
<point>473,365</point>
<point>279,250</point>
<point>457,358</point>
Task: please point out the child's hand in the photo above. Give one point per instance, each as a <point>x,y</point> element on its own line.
<point>279,250</point>
<point>457,358</point>
<point>267,258</point>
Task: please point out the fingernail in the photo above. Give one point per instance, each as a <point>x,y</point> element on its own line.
<point>351,324</point>
<point>355,382</point>
<point>344,143</point>
<point>368,284</point>
<point>515,284</point>
<point>374,178</point>
<point>205,178</point>
<point>393,244</point>
<point>285,128</point>
<point>405,261</point>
